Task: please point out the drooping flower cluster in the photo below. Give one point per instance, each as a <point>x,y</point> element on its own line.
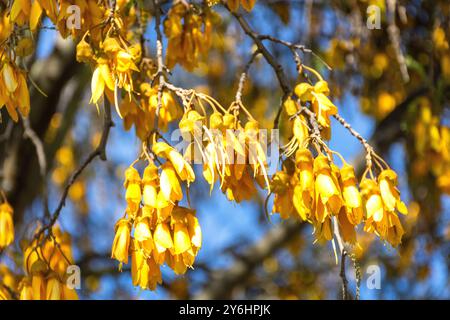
<point>46,262</point>
<point>189,35</point>
<point>13,88</point>
<point>230,153</point>
<point>142,112</point>
<point>164,231</point>
<point>313,188</point>
<point>316,190</point>
<point>322,106</point>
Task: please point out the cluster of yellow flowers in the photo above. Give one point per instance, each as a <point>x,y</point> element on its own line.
<point>46,260</point>
<point>141,113</point>
<point>188,34</point>
<point>6,225</point>
<point>60,13</point>
<point>113,66</point>
<point>322,106</point>
<point>164,231</point>
<point>432,146</point>
<point>230,152</point>
<point>13,90</point>
<point>315,190</point>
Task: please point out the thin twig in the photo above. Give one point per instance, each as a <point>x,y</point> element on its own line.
<point>343,252</point>
<point>244,74</point>
<point>364,142</point>
<point>100,152</point>
<point>159,56</point>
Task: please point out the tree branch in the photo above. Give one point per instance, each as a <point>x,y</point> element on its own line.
<point>100,152</point>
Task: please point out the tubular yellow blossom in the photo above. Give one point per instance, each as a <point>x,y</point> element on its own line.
<point>25,289</point>
<point>169,184</point>
<point>182,167</point>
<point>389,193</point>
<point>54,288</point>
<point>351,195</point>
<point>133,189</point>
<point>163,236</point>
<point>303,196</point>
<point>121,242</point>
<point>327,194</point>
<point>182,241</point>
<point>38,287</point>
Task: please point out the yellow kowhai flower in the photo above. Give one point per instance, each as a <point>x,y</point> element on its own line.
<point>150,182</point>
<point>351,195</point>
<point>143,226</point>
<point>102,76</point>
<point>133,189</point>
<point>327,194</point>
<point>373,201</point>
<point>57,250</point>
<point>303,197</point>
<point>384,223</point>
<point>54,288</point>
<point>169,110</point>
<point>145,273</point>
<point>38,287</point>
<point>182,241</point>
<point>187,232</point>
<point>169,184</point>
<point>14,92</point>
<point>6,225</point>
<point>142,230</point>
<point>395,230</point>
<point>280,185</point>
<point>20,11</point>
<point>25,289</point>
<point>300,131</point>
<point>189,35</point>
<point>387,181</point>
<point>121,242</point>
<point>192,122</point>
<point>163,237</point>
<point>6,27</point>
<point>239,190</point>
<point>347,228</point>
<point>195,232</point>
<point>321,105</point>
<point>84,51</point>
<point>324,230</point>
<point>35,15</point>
<point>182,167</point>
